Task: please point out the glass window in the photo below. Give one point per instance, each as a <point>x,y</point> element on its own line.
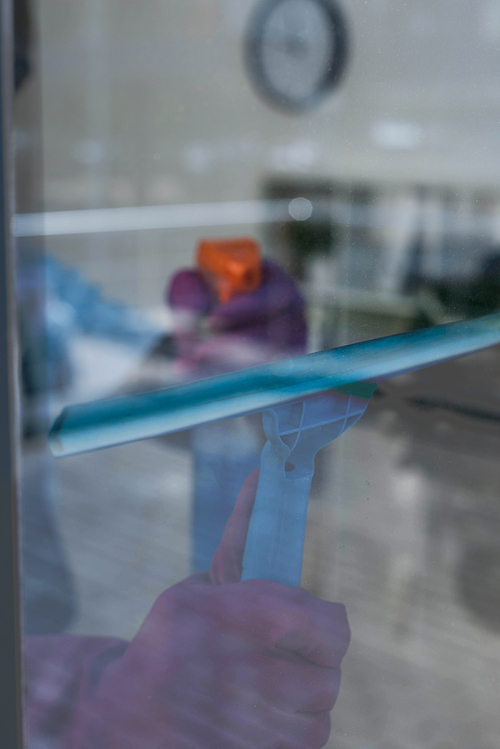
<point>207,186</point>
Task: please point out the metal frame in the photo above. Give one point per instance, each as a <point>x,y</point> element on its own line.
<point>11,714</point>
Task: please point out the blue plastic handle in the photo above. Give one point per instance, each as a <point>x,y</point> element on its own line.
<point>275,540</point>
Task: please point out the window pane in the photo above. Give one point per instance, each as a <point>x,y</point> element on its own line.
<point>212,185</point>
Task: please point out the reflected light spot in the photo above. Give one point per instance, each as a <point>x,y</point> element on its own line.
<point>300,209</point>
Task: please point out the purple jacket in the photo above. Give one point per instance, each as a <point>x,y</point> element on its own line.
<point>273,315</point>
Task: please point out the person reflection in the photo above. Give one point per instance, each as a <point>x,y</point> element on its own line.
<point>234,309</point>
<point>217,664</point>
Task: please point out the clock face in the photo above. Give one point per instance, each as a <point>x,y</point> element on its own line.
<point>296,50</point>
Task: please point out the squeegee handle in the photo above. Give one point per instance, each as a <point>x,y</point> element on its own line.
<point>275,539</point>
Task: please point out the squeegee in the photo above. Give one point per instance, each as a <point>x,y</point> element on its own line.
<point>306,403</point>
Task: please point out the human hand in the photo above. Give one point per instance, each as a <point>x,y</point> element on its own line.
<point>223,664</point>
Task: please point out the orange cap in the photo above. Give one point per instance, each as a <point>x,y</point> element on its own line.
<point>233,266</point>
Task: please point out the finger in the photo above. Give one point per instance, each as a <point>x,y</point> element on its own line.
<point>257,724</point>
<point>299,623</point>
<point>324,699</point>
<point>275,616</point>
<point>293,684</point>
<point>297,730</point>
<point>252,724</point>
<point>325,639</point>
<point>228,559</point>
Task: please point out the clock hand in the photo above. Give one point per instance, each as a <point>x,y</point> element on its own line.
<point>293,44</point>
<point>295,41</point>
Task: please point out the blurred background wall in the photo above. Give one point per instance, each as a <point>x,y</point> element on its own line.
<point>151,104</point>
<point>397,225</point>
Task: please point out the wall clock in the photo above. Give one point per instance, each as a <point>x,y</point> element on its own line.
<point>296,51</point>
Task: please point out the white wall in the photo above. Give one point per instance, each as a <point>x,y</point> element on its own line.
<point>149,103</point>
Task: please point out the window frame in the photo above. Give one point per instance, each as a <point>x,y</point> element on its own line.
<point>11,714</point>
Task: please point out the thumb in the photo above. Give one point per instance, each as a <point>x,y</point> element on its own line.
<point>227,561</point>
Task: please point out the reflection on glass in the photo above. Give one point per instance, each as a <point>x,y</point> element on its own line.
<point>235,309</point>
<point>376,212</point>
<point>296,32</point>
